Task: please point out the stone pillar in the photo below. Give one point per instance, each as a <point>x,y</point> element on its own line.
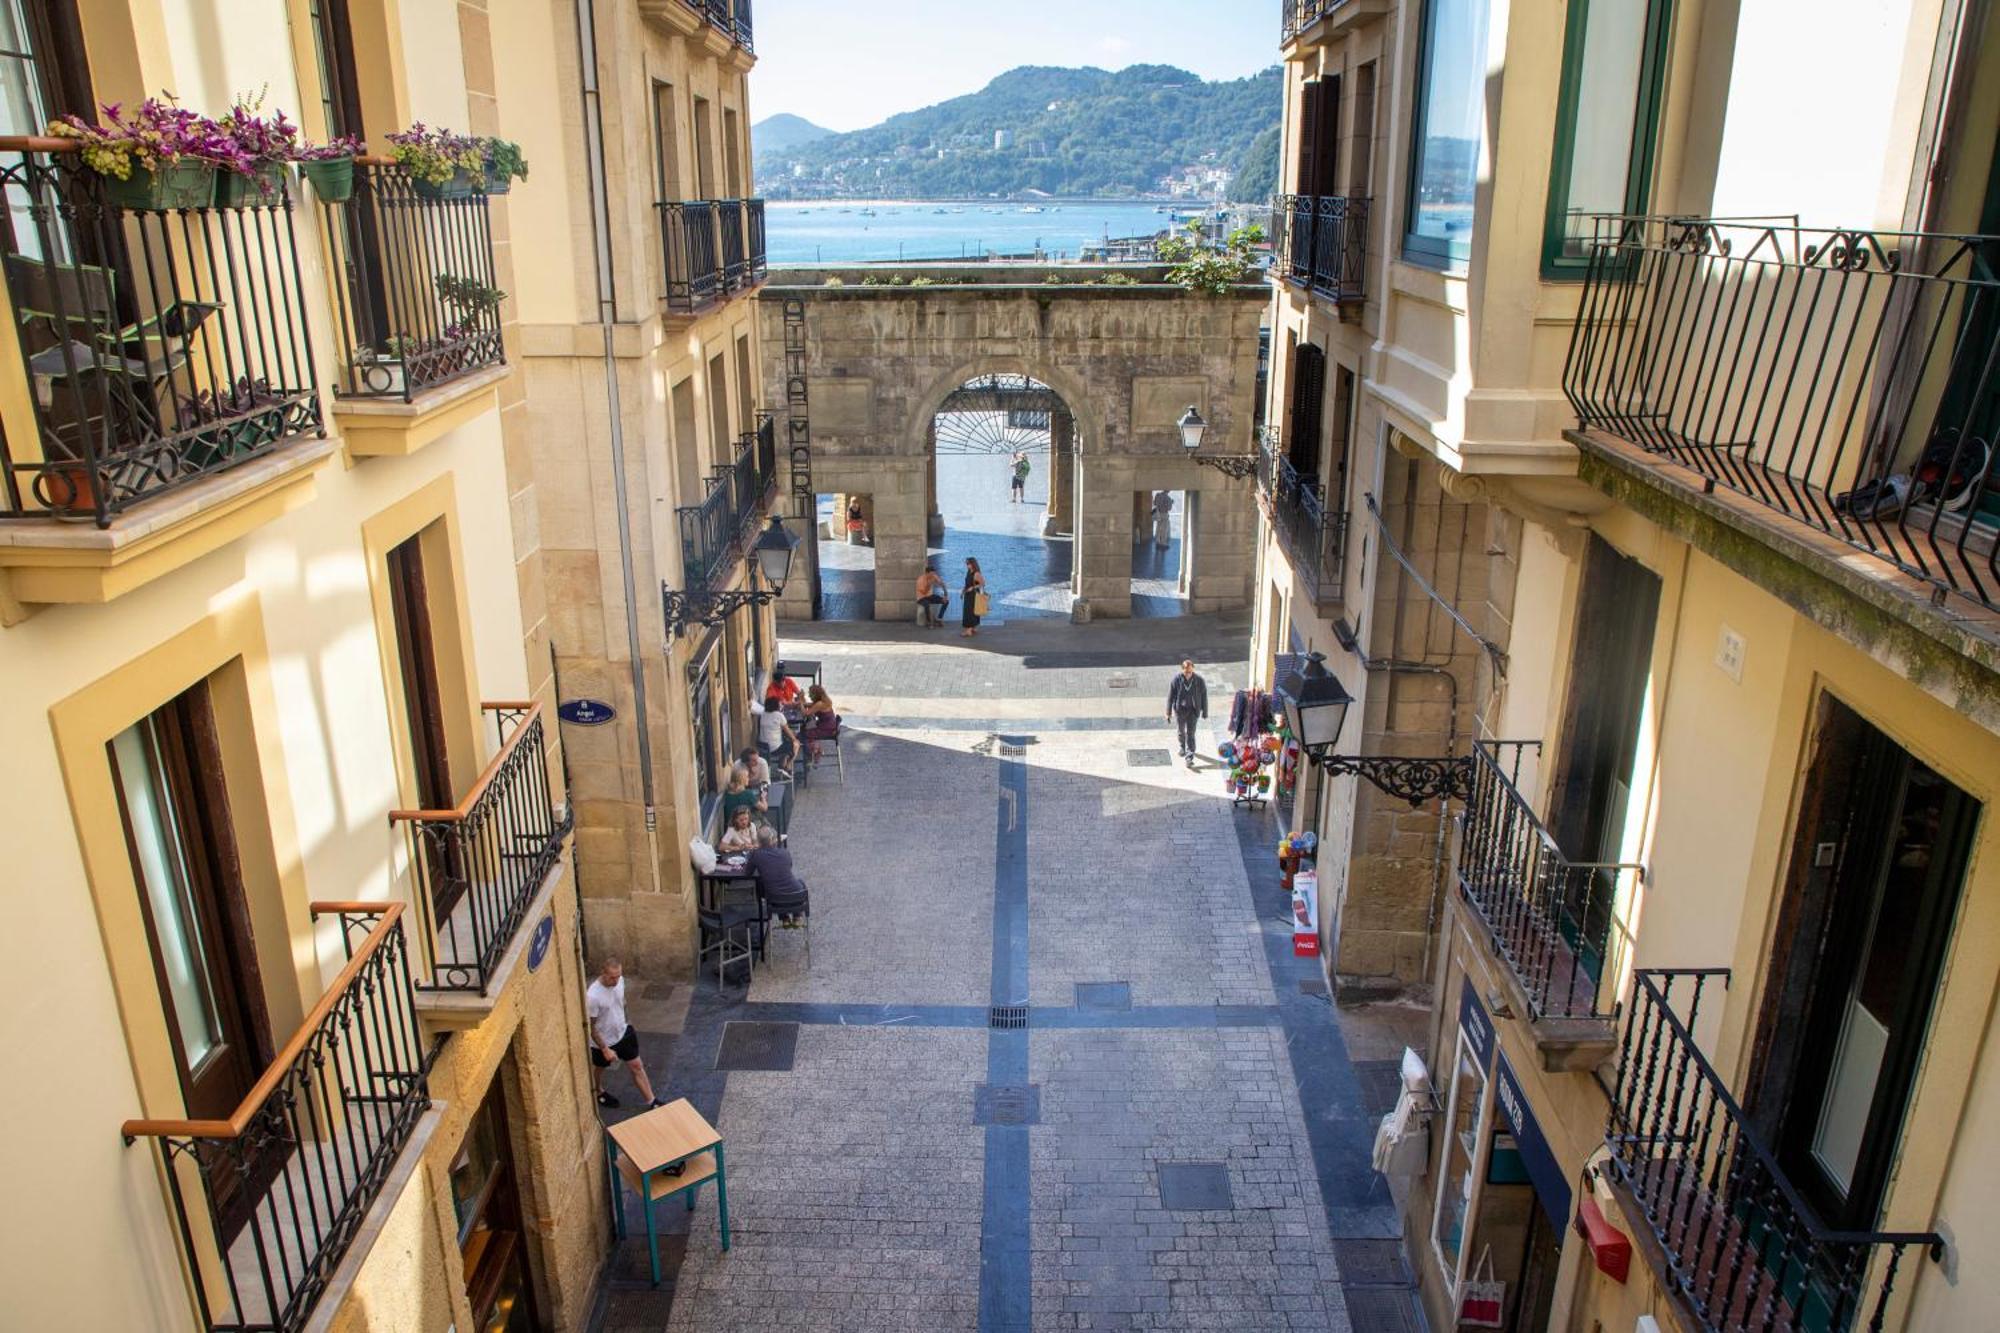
<point>901,519</point>
<point>795,603</point>
<point>1142,517</point>
<point>934,522</point>
<point>1219,544</point>
<point>1103,550</point>
<point>1061,518</point>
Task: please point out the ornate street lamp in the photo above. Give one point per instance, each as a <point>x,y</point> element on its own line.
<point>1316,703</point>
<point>773,553</point>
<point>1193,428</point>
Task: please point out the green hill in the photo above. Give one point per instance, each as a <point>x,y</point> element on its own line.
<point>1040,129</point>
<point>783,132</point>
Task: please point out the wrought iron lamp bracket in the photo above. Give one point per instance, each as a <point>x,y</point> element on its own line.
<point>701,606</point>
<point>1413,780</point>
<point>1238,466</point>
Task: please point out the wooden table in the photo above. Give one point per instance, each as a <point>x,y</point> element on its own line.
<point>642,1148</point>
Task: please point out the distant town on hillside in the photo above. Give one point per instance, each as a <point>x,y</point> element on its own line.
<point>1144,132</point>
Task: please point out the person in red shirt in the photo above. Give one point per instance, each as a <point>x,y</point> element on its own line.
<point>783,688</point>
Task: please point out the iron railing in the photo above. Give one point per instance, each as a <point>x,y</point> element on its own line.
<point>478,866</point>
<point>753,222</point>
<point>713,531</point>
<point>1298,15</point>
<point>1550,917</point>
<point>729,17</point>
<point>1312,531</point>
<point>269,1200</point>
<point>1322,243</point>
<point>729,230</point>
<point>414,301</point>
<point>1842,379</point>
<point>1738,1241</point>
<point>160,346</point>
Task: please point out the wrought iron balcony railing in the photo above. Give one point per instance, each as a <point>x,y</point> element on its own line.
<point>1313,532</point>
<point>1841,380</point>
<point>1740,1244</point>
<point>1299,15</point>
<point>269,1200</point>
<point>159,345</point>
<point>478,866</point>
<point>714,531</point>
<point>711,248</point>
<point>729,17</point>
<point>1322,243</point>
<point>1550,917</point>
<point>415,303</point>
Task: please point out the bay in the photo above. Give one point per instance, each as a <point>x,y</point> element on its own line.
<point>851,231</point>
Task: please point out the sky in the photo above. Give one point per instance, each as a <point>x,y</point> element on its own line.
<point>847,64</point>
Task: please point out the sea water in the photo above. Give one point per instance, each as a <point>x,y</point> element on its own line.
<point>848,231</point>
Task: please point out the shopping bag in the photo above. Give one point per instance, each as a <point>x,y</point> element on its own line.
<point>979,604</point>
<point>1482,1297</point>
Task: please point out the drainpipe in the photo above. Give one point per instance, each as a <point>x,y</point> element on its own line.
<point>607,319</point>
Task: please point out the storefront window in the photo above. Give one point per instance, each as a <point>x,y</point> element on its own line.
<point>1464,1161</point>
<point>1450,123</point>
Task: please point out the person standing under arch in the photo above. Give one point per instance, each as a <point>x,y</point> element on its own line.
<point>974,596</point>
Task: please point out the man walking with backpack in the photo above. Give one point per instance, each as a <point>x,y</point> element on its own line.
<point>1187,703</point>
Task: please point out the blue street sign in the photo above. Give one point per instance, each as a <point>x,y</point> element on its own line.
<point>538,944</point>
<point>586,712</point>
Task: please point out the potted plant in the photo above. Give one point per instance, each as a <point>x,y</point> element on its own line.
<point>67,486</point>
<point>440,164</point>
<point>470,299</point>
<point>329,168</point>
<point>504,165</point>
<point>380,370</point>
<point>263,147</point>
<point>160,157</point>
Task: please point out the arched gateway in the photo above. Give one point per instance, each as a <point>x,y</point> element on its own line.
<point>900,377</point>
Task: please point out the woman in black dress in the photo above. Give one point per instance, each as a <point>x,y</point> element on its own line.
<point>974,583</point>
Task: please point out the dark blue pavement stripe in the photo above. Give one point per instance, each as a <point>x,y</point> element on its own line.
<point>975,1016</point>
<point>1330,1097</point>
<point>1005,1300</point>
<point>989,724</point>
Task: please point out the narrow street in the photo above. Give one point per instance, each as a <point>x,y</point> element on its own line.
<point>1178,1133</point>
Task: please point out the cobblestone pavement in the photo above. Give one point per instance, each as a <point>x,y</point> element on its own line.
<point>1169,1140</point>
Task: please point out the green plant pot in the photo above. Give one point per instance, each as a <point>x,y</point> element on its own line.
<point>265,185</point>
<point>185,184</point>
<point>332,178</point>
<point>461,185</point>
<point>498,182</point>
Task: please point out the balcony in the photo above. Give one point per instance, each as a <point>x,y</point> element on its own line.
<point>1321,244</point>
<point>1549,918</point>
<point>1313,535</point>
<point>1828,392</point>
<point>416,309</point>
<point>270,1200</point>
<point>711,248</point>
<point>480,866</point>
<point>1736,1241</point>
<point>714,532</point>
<point>160,351</point>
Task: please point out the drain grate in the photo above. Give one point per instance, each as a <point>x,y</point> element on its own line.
<point>1147,758</point>
<point>1006,1104</point>
<point>1367,1262</point>
<point>1007,1016</point>
<point>1382,1310</point>
<point>1013,751</point>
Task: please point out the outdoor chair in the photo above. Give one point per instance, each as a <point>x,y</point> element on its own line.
<point>794,904</point>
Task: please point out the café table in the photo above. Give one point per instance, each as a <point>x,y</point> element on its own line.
<point>641,1150</point>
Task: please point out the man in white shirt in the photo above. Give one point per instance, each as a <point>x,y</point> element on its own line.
<point>611,1038</point>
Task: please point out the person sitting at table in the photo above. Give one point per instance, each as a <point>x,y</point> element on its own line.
<point>775,739</point>
<point>740,795</point>
<point>777,881</point>
<point>818,704</point>
<point>784,687</point>
<point>741,835</point>
<point>754,768</point>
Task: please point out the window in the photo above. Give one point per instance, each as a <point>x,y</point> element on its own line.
<point>1464,1166</point>
<point>666,174</point>
<point>704,150</point>
<point>1308,409</point>
<point>1450,122</point>
<point>1614,61</point>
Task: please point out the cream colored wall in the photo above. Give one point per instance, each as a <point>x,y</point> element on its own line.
<point>101,1253</point>
<point>430,34</point>
<point>222,51</point>
<point>549,213</point>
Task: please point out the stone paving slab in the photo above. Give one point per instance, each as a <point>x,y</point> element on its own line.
<point>854,1190</point>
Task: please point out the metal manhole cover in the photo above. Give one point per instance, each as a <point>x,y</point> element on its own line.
<point>769,1047</point>
<point>1006,1104</point>
<point>1007,1016</point>
<point>1013,751</point>
<point>1148,758</point>
<point>1370,1263</point>
<point>1109,996</point>
<point>1194,1187</point>
<point>1312,986</point>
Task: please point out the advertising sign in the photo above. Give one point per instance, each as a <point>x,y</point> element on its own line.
<point>1305,914</point>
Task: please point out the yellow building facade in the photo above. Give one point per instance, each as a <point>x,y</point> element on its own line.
<point>305,972</point>
<point>1674,417</point>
